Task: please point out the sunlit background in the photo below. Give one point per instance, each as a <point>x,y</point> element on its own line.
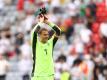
<point>81,51</point>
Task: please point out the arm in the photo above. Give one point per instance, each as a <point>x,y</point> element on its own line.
<point>35,29</point>
<point>57,31</point>
<point>55,28</point>
<point>33,43</point>
<point>34,34</point>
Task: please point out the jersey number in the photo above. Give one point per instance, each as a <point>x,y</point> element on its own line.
<point>45,51</point>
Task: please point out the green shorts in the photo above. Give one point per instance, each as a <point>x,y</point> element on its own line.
<point>43,78</point>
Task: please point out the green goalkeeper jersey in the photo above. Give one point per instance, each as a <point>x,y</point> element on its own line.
<point>42,55</point>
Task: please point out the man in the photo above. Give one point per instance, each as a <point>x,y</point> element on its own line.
<point>4,67</point>
<point>42,47</point>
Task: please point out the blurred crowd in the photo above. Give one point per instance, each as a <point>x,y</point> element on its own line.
<point>81,51</point>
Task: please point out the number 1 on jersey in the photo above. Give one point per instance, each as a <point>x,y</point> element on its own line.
<point>45,51</point>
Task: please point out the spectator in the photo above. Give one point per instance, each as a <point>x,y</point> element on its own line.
<point>24,67</point>
<point>92,7</point>
<point>103,28</point>
<point>25,49</point>
<point>65,75</point>
<point>85,37</point>
<point>89,63</point>
<point>72,8</point>
<point>76,73</point>
<point>4,68</point>
<point>60,65</point>
<point>4,44</point>
<point>72,57</point>
<point>82,9</point>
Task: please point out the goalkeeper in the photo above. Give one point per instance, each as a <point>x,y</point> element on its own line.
<point>42,49</point>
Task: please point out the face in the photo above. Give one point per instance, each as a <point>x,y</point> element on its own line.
<point>44,36</point>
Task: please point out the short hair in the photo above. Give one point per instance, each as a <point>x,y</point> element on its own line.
<point>41,30</point>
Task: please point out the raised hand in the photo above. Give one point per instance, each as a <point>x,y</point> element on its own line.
<point>46,19</point>
<point>41,18</point>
